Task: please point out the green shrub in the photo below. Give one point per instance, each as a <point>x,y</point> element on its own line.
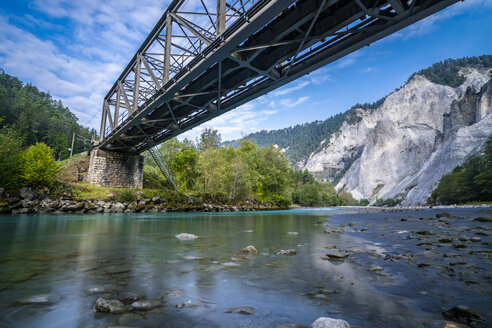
<point>38,167</point>
<point>363,202</point>
<point>126,196</point>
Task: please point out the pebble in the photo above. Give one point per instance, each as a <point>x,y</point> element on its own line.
<point>241,310</point>
<point>324,322</point>
<point>287,252</point>
<point>250,250</point>
<point>375,268</point>
<point>186,236</point>
<point>335,254</point>
<point>444,324</point>
<point>146,305</point>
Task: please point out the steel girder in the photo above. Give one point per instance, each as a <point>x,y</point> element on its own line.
<point>197,65</point>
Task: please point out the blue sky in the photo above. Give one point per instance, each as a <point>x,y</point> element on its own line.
<point>76,50</point>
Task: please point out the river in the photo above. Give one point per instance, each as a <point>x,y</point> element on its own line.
<point>68,261</point>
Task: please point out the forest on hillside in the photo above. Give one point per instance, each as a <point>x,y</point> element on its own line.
<point>301,140</point>
<point>34,116</point>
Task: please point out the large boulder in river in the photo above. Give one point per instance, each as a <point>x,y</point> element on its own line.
<point>324,322</point>
<point>113,306</point>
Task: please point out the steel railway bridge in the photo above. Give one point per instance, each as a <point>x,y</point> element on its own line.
<point>207,57</point>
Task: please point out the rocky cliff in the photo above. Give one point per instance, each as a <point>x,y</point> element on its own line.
<point>402,148</point>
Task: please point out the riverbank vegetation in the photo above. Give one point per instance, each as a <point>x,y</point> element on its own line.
<point>247,173</point>
<point>467,183</point>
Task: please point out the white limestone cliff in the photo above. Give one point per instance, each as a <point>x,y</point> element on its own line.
<point>402,148</point>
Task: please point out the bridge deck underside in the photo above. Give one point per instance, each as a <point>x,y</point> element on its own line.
<point>306,35</point>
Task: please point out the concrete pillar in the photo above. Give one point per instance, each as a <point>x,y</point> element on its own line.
<point>112,169</point>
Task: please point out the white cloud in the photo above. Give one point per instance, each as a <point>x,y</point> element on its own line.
<point>289,103</point>
<point>236,123</point>
<point>284,91</point>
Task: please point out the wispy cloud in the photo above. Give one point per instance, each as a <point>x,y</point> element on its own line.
<point>428,24</point>
<point>240,121</point>
<point>293,103</point>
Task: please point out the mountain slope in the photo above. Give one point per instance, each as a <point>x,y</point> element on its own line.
<point>420,132</point>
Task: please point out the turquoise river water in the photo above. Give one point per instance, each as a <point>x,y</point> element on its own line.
<point>71,260</point>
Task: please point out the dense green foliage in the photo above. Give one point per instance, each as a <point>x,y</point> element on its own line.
<point>447,72</point>
<point>36,117</point>
<point>469,182</point>
<point>38,168</point>
<point>10,151</point>
<point>247,173</point>
<point>309,192</point>
<point>34,166</point>
<point>390,202</point>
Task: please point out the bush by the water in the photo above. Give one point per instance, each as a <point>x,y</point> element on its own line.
<point>469,182</point>
<point>38,168</point>
<point>390,202</point>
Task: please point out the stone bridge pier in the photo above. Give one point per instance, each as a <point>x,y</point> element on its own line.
<point>115,169</point>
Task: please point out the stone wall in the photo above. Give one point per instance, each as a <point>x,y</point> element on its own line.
<point>112,169</point>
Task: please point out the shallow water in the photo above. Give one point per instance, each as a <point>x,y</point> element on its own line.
<point>65,255</point>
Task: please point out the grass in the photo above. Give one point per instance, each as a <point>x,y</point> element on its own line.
<point>85,191</point>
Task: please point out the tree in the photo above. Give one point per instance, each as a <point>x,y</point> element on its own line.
<point>10,145</point>
<point>209,139</point>
<point>38,167</point>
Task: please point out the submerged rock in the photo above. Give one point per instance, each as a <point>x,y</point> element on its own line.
<point>241,310</point>
<point>147,305</point>
<point>128,297</point>
<point>98,290</point>
<point>375,268</point>
<point>444,324</point>
<point>230,264</point>
<point>292,233</point>
<point>43,299</point>
<point>463,314</point>
<point>186,236</point>
<point>250,250</point>
<point>290,325</point>
<point>445,215</point>
<point>324,322</point>
<point>335,254</point>
<point>483,219</point>
<point>113,306</point>
<point>287,252</point>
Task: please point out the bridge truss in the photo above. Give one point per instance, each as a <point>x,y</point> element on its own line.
<point>206,57</point>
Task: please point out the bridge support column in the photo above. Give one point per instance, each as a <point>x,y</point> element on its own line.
<point>113,169</point>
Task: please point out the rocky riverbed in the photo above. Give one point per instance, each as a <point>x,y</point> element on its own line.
<point>29,201</point>
<point>441,258</point>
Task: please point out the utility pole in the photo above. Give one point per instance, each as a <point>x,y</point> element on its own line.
<point>71,149</point>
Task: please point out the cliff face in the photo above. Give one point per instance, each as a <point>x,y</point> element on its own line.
<point>402,148</point>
